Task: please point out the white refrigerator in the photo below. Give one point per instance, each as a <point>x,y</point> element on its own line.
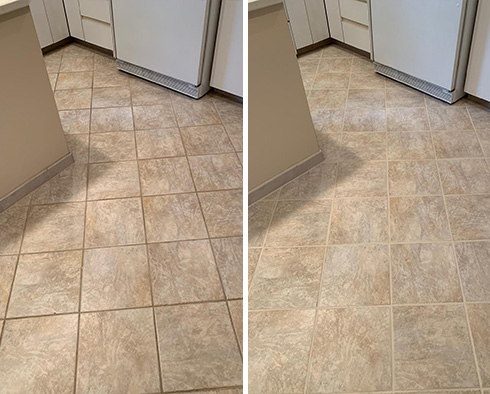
<point>169,42</point>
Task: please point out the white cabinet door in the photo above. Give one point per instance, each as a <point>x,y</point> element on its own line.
<point>318,20</point>
<point>334,19</point>
<point>227,72</point>
<point>57,19</point>
<point>478,77</point>
<point>41,22</point>
<point>74,19</point>
<point>298,20</point>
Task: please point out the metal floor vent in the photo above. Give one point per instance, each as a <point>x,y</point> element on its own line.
<point>161,79</point>
<point>424,86</point>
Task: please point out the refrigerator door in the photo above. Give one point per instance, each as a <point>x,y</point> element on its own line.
<point>166,36</point>
<point>419,37</point>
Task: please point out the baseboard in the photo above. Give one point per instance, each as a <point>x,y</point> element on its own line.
<point>57,45</point>
<point>351,48</point>
<point>314,47</point>
<point>69,40</point>
<point>230,96</point>
<point>36,181</point>
<point>284,177</point>
<point>479,100</point>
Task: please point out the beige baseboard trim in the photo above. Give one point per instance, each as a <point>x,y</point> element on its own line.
<point>36,181</point>
<point>284,177</point>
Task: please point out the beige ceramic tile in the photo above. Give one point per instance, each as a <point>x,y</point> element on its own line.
<point>105,147</point>
<point>451,144</point>
<point>484,137</point>
<point>357,119</point>
<point>73,99</point>
<point>146,93</point>
<point>76,50</point>
<point>117,352</point>
<point>103,62</point>
<point>432,348</point>
<point>52,61</point>
<point>424,273</point>
<point>202,140</point>
<point>154,117</point>
<point>363,146</point>
<point>174,217</point>
<point>356,275</point>
<point>278,350</point>
<point>361,179</point>
<point>259,218</point>
<point>115,278</point>
<point>351,351</point>
<point>253,259</point>
<point>407,119</point>
<point>328,120</point>
<point>69,185</point>
<point>449,119</point>
<point>309,64</point>
<point>334,65</point>
<point>230,111</point>
<point>300,223</point>
<point>413,178</point>
<point>361,65</point>
<point>409,146</point>
<point>38,355</point>
<point>331,146</point>
<point>414,219</point>
<point>12,222</point>
<point>79,80</point>
<point>366,81</point>
<point>183,272</point>
<point>403,97</point>
<point>159,143</point>
<point>316,184</point>
<point>229,259</point>
<point>77,63</point>
<point>198,348</point>
<point>473,264</point>
<point>111,119</point>
<point>329,80</point>
<point>335,51</point>
<point>480,116</point>
<point>235,132</point>
<point>236,311</point>
<point>216,172</point>
<point>114,222</point>
<point>190,112</point>
<point>322,99</point>
<point>108,79</point>
<point>366,98</point>
<point>468,176</point>
<point>359,221</point>
<point>479,318</point>
<point>165,176</point>
<point>111,97</point>
<point>75,121</point>
<point>287,278</point>
<point>223,212</point>
<point>54,227</point>
<point>308,79</point>
<point>78,146</point>
<point>113,180</point>
<point>468,217</point>
<point>7,271</point>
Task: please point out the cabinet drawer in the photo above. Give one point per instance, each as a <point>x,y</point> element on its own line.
<point>96,9</point>
<point>355,10</point>
<point>98,33</point>
<point>356,35</point>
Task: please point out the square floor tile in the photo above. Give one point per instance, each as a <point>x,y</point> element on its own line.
<point>479,115</point>
<point>38,354</point>
<point>259,218</point>
<point>366,98</point>
<point>216,172</point>
<point>287,278</point>
<point>432,348</point>
<point>424,273</point>
<point>229,110</point>
<point>115,278</point>
<point>111,97</point>
<point>146,93</point>
<point>358,119</point>
<point>328,120</point>
<point>223,213</point>
<point>184,272</point>
<point>468,176</point>
<point>7,270</point>
<point>253,259</point>
<point>484,137</point>
<point>356,275</point>
<point>165,176</point>
<point>360,64</point>
<point>117,352</point>
<point>174,217</point>
<point>111,119</point>
<point>449,118</point>
<point>77,63</point>
<point>468,217</point>
<point>300,223</point>
<point>366,81</point>
<point>363,146</point>
<point>114,222</point>
<point>190,112</point>
<point>315,184</point>
<point>334,65</point>
<point>47,283</point>
<point>154,117</point>
<point>110,78</point>
<point>12,222</point>
<point>453,144</point>
<point>403,97</point>
<point>229,259</point>
<point>236,311</point>
<point>410,146</point>
<point>361,179</point>
<point>52,61</point>
<point>78,145</point>
<point>359,221</point>
<point>479,317</point>
<point>322,99</point>
<point>198,348</point>
<point>106,147</point>
<point>407,119</point>
<point>327,80</point>
<point>75,121</point>
<point>153,144</point>
<point>413,178</point>
<point>235,132</point>
<point>414,219</point>
<point>473,258</point>
<point>351,351</point>
<point>54,227</point>
<point>77,80</point>
<point>279,345</point>
<point>73,99</point>
<point>113,180</point>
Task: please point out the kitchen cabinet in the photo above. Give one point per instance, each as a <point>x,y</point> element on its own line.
<point>49,20</point>
<point>227,73</point>
<point>41,22</point>
<point>478,76</point>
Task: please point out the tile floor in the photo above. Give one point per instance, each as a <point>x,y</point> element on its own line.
<point>371,272</point>
<point>123,273</point>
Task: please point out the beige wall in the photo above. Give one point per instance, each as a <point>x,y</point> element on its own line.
<point>31,136</point>
<point>281,132</point>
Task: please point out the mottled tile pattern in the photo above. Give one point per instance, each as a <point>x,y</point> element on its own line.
<point>82,269</point>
